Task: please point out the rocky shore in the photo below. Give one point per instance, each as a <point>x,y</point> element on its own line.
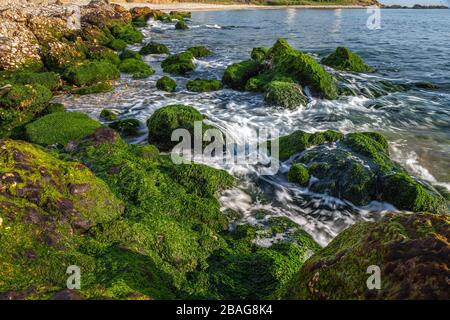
<point>74,192</point>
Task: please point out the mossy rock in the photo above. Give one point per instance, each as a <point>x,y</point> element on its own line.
<point>181,25</point>
<point>59,55</point>
<point>126,127</point>
<point>300,140</point>
<point>406,193</point>
<point>103,53</point>
<point>95,88</point>
<point>169,118</point>
<point>138,68</point>
<point>260,54</point>
<point>358,169</point>
<point>298,174</point>
<point>200,51</point>
<point>154,48</point>
<point>180,63</point>
<point>285,60</point>
<point>47,205</point>
<point>50,80</point>
<point>60,128</point>
<point>169,219</point>
<point>181,14</point>
<point>342,174</point>
<point>129,54</point>
<point>285,94</point>
<point>108,115</point>
<point>344,59</point>
<point>237,74</point>
<point>126,32</point>
<point>20,104</point>
<point>372,145</point>
<point>117,44</point>
<point>54,107</point>
<point>201,85</point>
<point>166,84</point>
<point>91,72</point>
<point>96,35</point>
<point>234,272</point>
<point>403,246</point>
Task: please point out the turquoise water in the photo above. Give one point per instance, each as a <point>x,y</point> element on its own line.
<point>411,46</point>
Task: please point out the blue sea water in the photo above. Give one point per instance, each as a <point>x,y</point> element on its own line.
<point>410,46</point>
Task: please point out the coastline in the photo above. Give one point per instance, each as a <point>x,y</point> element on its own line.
<point>186,6</point>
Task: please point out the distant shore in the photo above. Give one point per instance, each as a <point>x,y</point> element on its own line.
<point>210,7</point>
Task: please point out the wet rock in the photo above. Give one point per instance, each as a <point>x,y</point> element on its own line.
<point>67,294</point>
<point>105,135</point>
<point>102,14</point>
<point>179,64</point>
<point>411,251</point>
<point>285,94</point>
<point>358,168</point>
<point>344,59</point>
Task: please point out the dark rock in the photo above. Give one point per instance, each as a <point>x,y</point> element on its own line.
<point>67,294</point>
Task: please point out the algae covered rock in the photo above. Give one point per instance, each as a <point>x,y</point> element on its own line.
<point>181,25</point>
<point>302,68</point>
<point>103,53</point>
<point>260,54</point>
<point>126,32</point>
<point>180,63</point>
<point>237,75</point>
<point>285,94</point>
<point>117,44</point>
<point>129,54</point>
<point>138,68</point>
<point>61,55</point>
<point>20,104</point>
<point>247,271</point>
<point>201,85</point>
<point>344,59</point>
<point>358,168</point>
<point>126,127</point>
<point>46,207</point>
<point>94,88</point>
<point>108,115</point>
<point>200,51</point>
<point>154,48</point>
<point>300,140</point>
<point>298,174</point>
<point>166,84</point>
<point>91,72</point>
<point>50,80</point>
<point>410,250</point>
<point>60,128</point>
<point>169,118</point>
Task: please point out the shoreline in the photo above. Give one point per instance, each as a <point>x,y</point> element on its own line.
<point>186,6</point>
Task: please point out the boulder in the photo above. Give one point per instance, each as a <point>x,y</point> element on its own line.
<point>180,63</point>
<point>166,119</point>
<point>344,59</point>
<point>201,85</point>
<point>410,251</point>
<point>59,128</point>
<point>154,48</point>
<point>166,84</point>
<point>138,68</point>
<point>285,94</point>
